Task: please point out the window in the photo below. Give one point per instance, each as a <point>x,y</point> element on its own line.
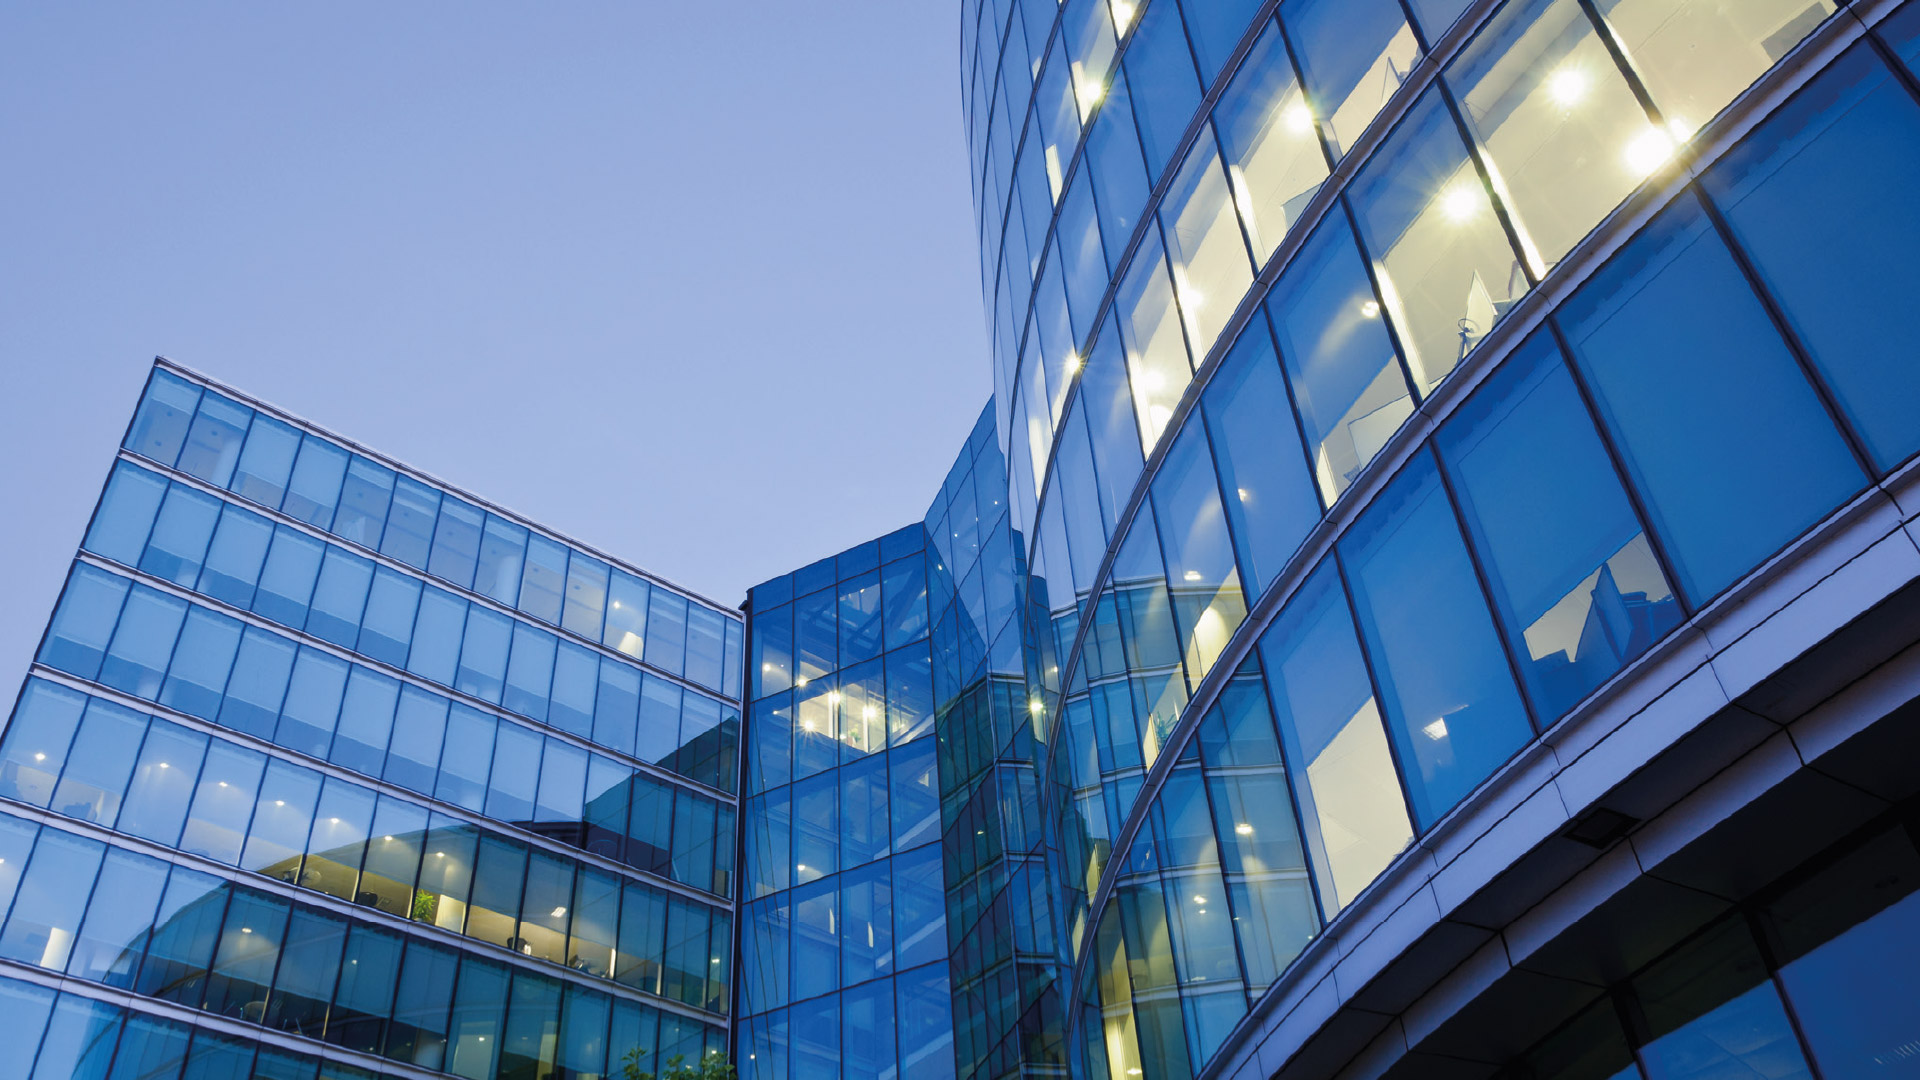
<point>409,532</point>
<point>314,490</point>
<point>1561,132</point>
<point>1451,705</point>
<point>120,526</point>
<point>1348,385</point>
<point>213,440</point>
<point>1697,55</point>
<point>1156,350</point>
<point>160,424</point>
<point>627,614</point>
<point>266,462</point>
<point>585,610</point>
<point>1730,450</point>
<point>503,551</point>
<point>1202,578</point>
<point>1336,747</point>
<point>83,623</point>
<point>1204,247</point>
<point>1711,1010</point>
<point>180,534</point>
<point>1165,86</point>
<point>1446,270</point>
<point>1840,267</point>
<point>1262,467</point>
<point>1354,54</point>
<point>235,557</point>
<point>1266,134</point>
<point>1572,574</point>
<point>456,542</point>
<point>364,500</point>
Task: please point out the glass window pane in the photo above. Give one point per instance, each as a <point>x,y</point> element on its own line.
<point>627,614</point>
<point>666,631</point>
<point>558,802</point>
<point>585,611</point>
<point>1355,54</point>
<point>100,763</point>
<point>499,872</point>
<point>340,597</point>
<point>482,671</point>
<point>616,707</point>
<point>310,965</point>
<point>1561,132</point>
<point>266,462</point>
<point>79,1041</point>
<point>258,684</point>
<point>364,499</point>
<point>1336,749</point>
<point>286,581</point>
<point>1714,1012</point>
<point>314,490</point>
<point>37,738</point>
<point>119,919</point>
<point>1256,445</point>
<point>529,671</point>
<point>1156,349</point>
<point>544,580</point>
<point>184,935</point>
<point>437,630</point>
<point>312,708</point>
<point>576,673</point>
<point>1841,269</point>
<point>421,1004</point>
<point>1204,247</point>
<point>643,937</point>
<point>409,532</point>
<point>125,517</point>
<point>1204,581</point>
<point>1446,270</point>
<point>773,658</point>
<point>213,440</point>
<point>282,820</point>
<point>479,1001</point>
<point>339,842</point>
<point>413,758</point>
<point>706,642</point>
<point>235,557</point>
<point>1732,453</point>
<point>1697,55</point>
<point>136,660</point>
<point>1450,700</point>
<point>46,909</point>
<point>1267,137</point>
<point>180,534</point>
<point>1166,88</point>
<point>386,628</point>
<point>162,783</point>
<point>543,908</point>
<point>503,552</point>
<point>1572,573</point>
<point>1349,387</point>
<point>364,994</point>
<point>456,542</point>
<point>223,802</point>
<point>1118,168</point>
<point>160,424</point>
<point>659,734</point>
<point>82,625</point>
<point>366,721</point>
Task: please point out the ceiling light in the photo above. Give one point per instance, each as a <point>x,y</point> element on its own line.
<point>1567,86</point>
<point>1370,309</point>
<point>1192,575</point>
<point>1460,201</point>
<point>559,913</point>
<point>1648,151</point>
<point>1299,118</point>
<point>1436,730</point>
<point>1244,829</point>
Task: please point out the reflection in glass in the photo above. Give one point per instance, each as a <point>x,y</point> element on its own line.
<point>1204,248</point>
<point>1697,55</point>
<point>1560,130</point>
<point>1571,571</point>
<point>1156,351</point>
<point>1349,388</point>
<point>1267,137</point>
<point>1336,747</point>
<point>1354,55</point>
<point>1446,270</point>
<point>1202,577</point>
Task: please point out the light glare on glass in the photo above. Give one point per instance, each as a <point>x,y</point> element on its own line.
<point>1567,86</point>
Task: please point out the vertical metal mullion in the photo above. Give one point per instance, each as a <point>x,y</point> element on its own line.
<point>1306,97</point>
<point>1770,958</point>
<point>1482,170</point>
<point>1618,52</point>
<point>1414,393</point>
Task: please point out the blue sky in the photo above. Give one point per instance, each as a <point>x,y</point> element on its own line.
<point>694,283</point>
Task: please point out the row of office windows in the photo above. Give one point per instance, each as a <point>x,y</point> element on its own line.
<point>1602,483</point>
<point>1597,486</point>
<point>68,1036</point>
<point>841,819</point>
<point>841,626</point>
<point>1532,135</point>
<point>864,923</point>
<point>94,761</point>
<point>206,435</point>
<point>840,717</point>
<point>892,1029</point>
<point>182,535</point>
<point>175,934</point>
<point>317,704</point>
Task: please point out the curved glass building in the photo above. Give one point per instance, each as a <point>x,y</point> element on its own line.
<point>1457,445</point>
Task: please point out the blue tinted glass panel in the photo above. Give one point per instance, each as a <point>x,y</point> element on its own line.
<point>365,496</point>
<point>1166,89</point>
<point>386,630</point>
<point>1353,55</point>
<point>258,683</point>
<point>312,708</point>
<point>772,650</point>
<point>529,671</point>
<point>667,631</point>
<point>120,525</point>
<point>616,707</point>
<point>585,610</point>
<point>1451,705</point>
<point>503,553</point>
<point>1256,446</point>
<point>180,535</point>
<point>286,581</point>
<point>160,424</point>
<point>1118,168</point>
<point>1731,451</point>
<point>136,660</point>
<point>234,558</point>
<point>626,614</point>
<point>483,653</point>
<point>1573,576</point>
<point>314,490</point>
<point>456,542</point>
<point>1842,269</point>
<point>1349,388</point>
<point>340,597</point>
<point>197,679</point>
<point>409,532</point>
<point>1216,26</point>
<point>465,758</point>
<point>706,643</point>
<point>100,763</point>
<point>266,462</point>
<point>162,784</point>
<point>213,440</point>
<point>83,623</point>
<point>37,738</point>
<point>659,731</point>
<point>576,671</point>
<point>366,721</point>
<point>544,579</point>
<point>436,636</point>
<point>413,758</point>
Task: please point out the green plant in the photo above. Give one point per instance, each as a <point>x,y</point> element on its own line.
<point>425,905</point>
<point>712,1067</point>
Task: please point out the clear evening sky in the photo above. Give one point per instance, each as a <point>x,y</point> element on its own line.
<point>692,282</point>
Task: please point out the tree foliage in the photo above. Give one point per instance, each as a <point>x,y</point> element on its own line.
<point>712,1067</point>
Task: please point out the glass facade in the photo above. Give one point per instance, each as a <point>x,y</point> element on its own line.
<point>363,772</point>
<point>1376,384</point>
